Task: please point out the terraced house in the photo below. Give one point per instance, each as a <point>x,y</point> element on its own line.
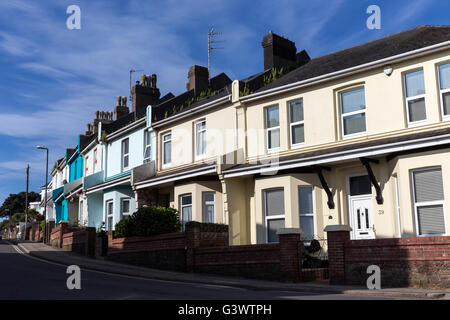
<point>359,137</point>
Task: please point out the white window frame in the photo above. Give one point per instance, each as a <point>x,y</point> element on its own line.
<point>206,203</point>
<point>108,215</point>
<point>420,122</point>
<point>307,214</point>
<point>196,134</point>
<point>343,115</point>
<point>275,217</point>
<point>127,140</point>
<point>185,205</point>
<point>80,213</point>
<point>272,150</point>
<point>86,165</point>
<point>398,209</point>
<point>442,91</point>
<point>293,124</point>
<point>165,165</point>
<point>426,203</point>
<point>95,159</point>
<point>147,145</point>
<point>122,214</point>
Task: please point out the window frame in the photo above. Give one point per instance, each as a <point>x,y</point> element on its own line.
<point>122,200</point>
<point>126,140</point>
<point>165,165</point>
<point>86,165</point>
<point>147,145</point>
<point>307,214</point>
<point>205,203</point>
<point>442,91</point>
<point>407,99</point>
<point>181,196</point>
<point>347,114</point>
<point>292,124</point>
<point>95,159</point>
<point>274,217</point>
<point>426,203</point>
<point>267,129</point>
<point>108,215</point>
<point>196,133</point>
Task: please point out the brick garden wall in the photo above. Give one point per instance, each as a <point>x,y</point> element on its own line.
<point>80,241</point>
<point>165,251</point>
<point>209,252</point>
<point>415,261</point>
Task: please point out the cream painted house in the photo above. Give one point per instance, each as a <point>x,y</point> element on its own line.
<point>358,137</point>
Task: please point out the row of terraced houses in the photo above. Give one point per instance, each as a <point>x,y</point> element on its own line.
<point>359,137</point>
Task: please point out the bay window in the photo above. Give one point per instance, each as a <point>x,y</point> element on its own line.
<point>274,213</point>
<point>444,89</point>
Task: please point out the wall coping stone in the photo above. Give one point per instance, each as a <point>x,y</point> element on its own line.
<point>289,231</point>
<point>337,227</point>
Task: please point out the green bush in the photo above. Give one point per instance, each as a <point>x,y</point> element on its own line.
<point>149,221</point>
<point>42,224</point>
<point>208,227</point>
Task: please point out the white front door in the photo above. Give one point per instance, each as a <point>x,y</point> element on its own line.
<point>361,217</point>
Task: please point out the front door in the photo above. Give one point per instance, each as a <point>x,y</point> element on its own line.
<point>360,207</point>
<point>361,214</point>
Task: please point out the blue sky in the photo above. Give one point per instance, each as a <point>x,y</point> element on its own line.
<point>53,79</point>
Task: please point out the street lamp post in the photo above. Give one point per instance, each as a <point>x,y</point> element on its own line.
<point>45,199</point>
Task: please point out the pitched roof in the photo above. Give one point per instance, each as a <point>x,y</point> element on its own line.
<point>394,44</point>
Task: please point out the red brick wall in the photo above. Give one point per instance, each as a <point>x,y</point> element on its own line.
<point>165,251</point>
<point>253,261</point>
<point>208,252</point>
<point>417,261</point>
<point>80,241</point>
<point>423,261</point>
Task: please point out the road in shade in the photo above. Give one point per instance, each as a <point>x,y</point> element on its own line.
<point>25,277</point>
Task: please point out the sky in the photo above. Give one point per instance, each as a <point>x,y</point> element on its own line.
<point>53,78</point>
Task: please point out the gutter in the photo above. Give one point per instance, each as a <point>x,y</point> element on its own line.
<point>190,112</point>
<point>345,72</point>
<point>176,176</point>
<point>339,156</point>
<point>125,129</point>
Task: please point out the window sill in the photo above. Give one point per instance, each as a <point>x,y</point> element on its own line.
<point>355,135</point>
<point>417,123</point>
<point>297,146</point>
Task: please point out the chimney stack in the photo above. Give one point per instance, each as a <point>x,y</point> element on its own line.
<point>279,52</point>
<point>144,93</point>
<point>198,79</point>
<point>121,108</point>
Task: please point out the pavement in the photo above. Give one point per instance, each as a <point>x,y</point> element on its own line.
<point>59,256</point>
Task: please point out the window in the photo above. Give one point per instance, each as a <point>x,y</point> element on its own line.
<point>296,122</point>
<point>95,160</point>
<point>110,215</point>
<point>306,208</point>
<point>272,128</point>
<point>124,208</point>
<point>360,185</point>
<point>147,145</point>
<point>200,138</point>
<point>353,111</point>
<point>209,207</point>
<point>80,213</point>
<point>415,96</point>
<point>428,194</point>
<point>185,209</point>
<point>167,149</point>
<point>125,154</point>
<point>444,87</point>
<point>274,213</point>
<point>87,165</point>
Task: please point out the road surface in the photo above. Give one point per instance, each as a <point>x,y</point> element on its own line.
<point>25,277</point>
